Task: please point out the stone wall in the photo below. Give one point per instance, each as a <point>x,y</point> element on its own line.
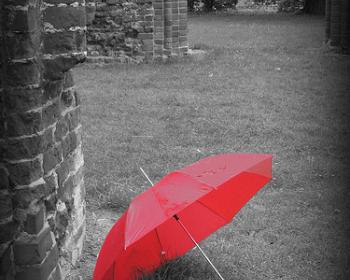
<point>137,30</point>
<point>42,218</point>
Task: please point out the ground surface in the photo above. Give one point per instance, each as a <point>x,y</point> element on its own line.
<point>266,85</point>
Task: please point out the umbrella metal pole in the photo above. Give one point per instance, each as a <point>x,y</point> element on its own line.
<point>197,245</point>
<point>145,174</point>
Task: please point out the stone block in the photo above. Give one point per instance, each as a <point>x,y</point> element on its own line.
<point>70,143</point>
<point>62,128</point>
<point>50,202</point>
<point>62,172</point>
<point>51,113</point>
<point>52,89</point>
<point>4,181</point>
<point>32,249</point>
<point>147,45</point>
<point>23,20</point>
<point>19,100</point>
<point>26,123</point>
<point>5,205</point>
<point>18,2</point>
<point>65,192</point>
<point>35,220</point>
<point>25,172</point>
<point>6,264</point>
<point>21,45</point>
<point>25,148</point>
<point>39,271</point>
<point>25,196</point>
<point>51,183</point>
<point>64,42</point>
<point>64,1</point>
<point>68,80</point>
<point>52,158</point>
<point>57,274</point>
<point>22,74</point>
<point>145,36</point>
<point>65,17</point>
<point>77,98</point>
<point>90,14</point>
<point>74,118</point>
<point>67,98</point>
<point>56,67</point>
<point>7,231</point>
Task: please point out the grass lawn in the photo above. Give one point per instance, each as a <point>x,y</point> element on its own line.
<point>267,85</point>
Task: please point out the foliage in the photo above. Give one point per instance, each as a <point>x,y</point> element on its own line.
<point>290,5</point>
<point>210,5</point>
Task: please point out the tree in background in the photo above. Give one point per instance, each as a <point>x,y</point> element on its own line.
<point>338,24</point>
<point>315,7</point>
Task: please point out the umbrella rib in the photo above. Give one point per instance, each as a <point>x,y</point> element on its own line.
<point>212,210</point>
<point>160,243</point>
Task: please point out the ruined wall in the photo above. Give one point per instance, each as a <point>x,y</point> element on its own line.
<point>137,30</point>
<point>42,218</point>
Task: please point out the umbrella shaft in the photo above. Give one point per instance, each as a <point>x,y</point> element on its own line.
<point>199,248</point>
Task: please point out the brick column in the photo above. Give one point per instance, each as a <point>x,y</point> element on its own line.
<point>41,183</point>
<point>158,29</point>
<point>174,23</point>
<point>183,41</point>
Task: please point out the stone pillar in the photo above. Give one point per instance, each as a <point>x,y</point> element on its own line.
<point>42,208</point>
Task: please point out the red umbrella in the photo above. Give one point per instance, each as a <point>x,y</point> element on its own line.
<point>183,208</point>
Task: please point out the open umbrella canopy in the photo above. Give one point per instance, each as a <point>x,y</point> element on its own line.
<point>203,196</point>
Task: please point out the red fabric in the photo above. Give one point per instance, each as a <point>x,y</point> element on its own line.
<point>205,196</point>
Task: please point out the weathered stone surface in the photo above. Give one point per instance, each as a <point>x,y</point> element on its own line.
<point>52,157</point>
<point>26,123</point>
<point>73,118</point>
<point>62,172</point>
<point>22,74</point>
<point>24,197</point>
<point>19,100</point>
<point>50,202</point>
<point>5,205</point>
<point>55,67</point>
<point>51,113</point>
<point>62,128</point>
<point>39,271</point>
<point>35,220</point>
<point>68,80</point>
<point>23,20</point>
<point>30,250</point>
<point>63,1</point>
<point>6,265</point>
<point>64,42</point>
<point>7,231</point>
<point>26,148</point>
<point>21,45</point>
<point>67,98</point>
<point>70,143</point>
<point>25,172</point>
<point>40,42</point>
<point>52,89</point>
<point>4,181</point>
<point>65,17</point>
<point>114,31</point>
